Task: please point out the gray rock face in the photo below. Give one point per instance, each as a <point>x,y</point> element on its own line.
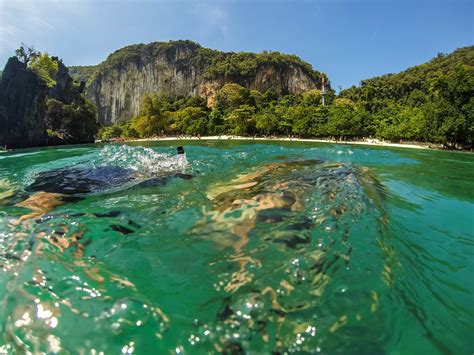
<point>24,115</point>
<point>117,92</point>
<point>181,69</point>
<point>22,107</point>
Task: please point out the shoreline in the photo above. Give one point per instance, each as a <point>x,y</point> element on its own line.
<point>369,142</point>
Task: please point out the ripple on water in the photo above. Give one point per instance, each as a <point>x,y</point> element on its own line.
<point>283,248</point>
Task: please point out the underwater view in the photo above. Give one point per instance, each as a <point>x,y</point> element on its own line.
<point>236,247</point>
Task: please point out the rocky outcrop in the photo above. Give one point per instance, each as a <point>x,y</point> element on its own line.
<point>22,107</point>
<point>184,68</point>
<point>33,114</point>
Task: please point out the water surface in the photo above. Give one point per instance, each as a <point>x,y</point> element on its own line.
<point>285,247</point>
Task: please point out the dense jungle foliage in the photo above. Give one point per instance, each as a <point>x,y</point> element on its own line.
<point>432,102</point>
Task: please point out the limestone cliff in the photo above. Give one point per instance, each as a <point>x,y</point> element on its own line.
<point>33,114</point>
<point>22,107</point>
<point>184,68</point>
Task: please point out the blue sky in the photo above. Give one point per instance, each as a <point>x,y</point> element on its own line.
<point>350,40</point>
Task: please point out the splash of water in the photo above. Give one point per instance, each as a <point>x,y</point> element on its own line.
<point>140,159</point>
<point>113,168</point>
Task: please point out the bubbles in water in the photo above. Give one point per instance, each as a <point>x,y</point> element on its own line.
<point>143,160</point>
<point>129,313</point>
<point>113,168</point>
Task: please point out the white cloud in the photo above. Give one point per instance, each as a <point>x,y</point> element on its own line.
<point>29,20</point>
<point>214,16</point>
<point>18,18</point>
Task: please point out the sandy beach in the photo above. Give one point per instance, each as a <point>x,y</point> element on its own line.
<point>368,142</point>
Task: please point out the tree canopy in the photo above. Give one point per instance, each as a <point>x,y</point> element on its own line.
<point>45,67</point>
<point>432,102</point>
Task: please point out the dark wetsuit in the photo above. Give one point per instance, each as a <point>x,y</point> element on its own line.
<point>73,181</point>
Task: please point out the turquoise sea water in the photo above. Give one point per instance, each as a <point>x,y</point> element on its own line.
<point>283,247</point>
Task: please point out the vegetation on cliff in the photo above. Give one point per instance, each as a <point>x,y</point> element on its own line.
<point>233,66</point>
<point>71,121</point>
<point>81,72</point>
<point>230,66</point>
<point>41,105</point>
<point>432,102</point>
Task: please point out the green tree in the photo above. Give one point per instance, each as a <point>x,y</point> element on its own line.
<point>216,123</point>
<point>191,120</point>
<point>25,53</point>
<point>242,120</point>
<point>72,122</point>
<point>45,67</point>
<point>428,102</point>
<point>266,122</point>
<point>154,117</point>
<point>345,119</point>
<point>231,96</point>
<point>110,132</point>
<point>128,131</point>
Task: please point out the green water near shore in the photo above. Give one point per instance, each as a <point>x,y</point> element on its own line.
<point>328,249</point>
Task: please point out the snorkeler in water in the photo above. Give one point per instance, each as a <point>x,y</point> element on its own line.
<point>61,237</point>
<point>81,180</point>
<point>53,188</point>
